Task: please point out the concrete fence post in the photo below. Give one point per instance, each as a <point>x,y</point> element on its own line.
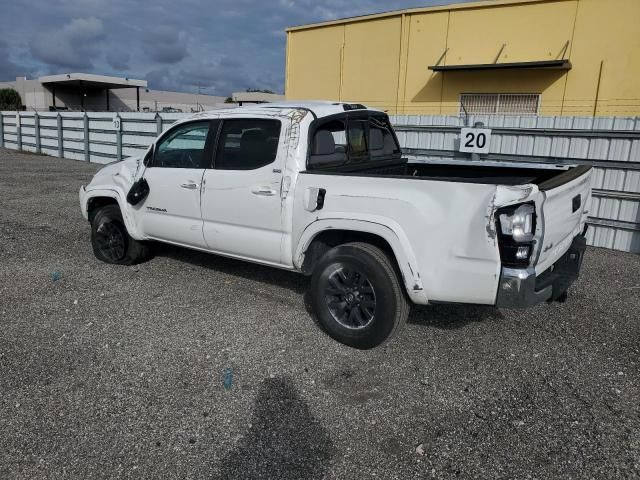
<point>60,137</point>
<point>36,128</point>
<point>118,123</point>
<point>18,130</point>
<point>158,124</point>
<point>1,130</point>
<point>87,154</point>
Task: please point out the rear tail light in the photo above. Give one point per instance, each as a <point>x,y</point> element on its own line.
<point>518,223</point>
<point>516,229</point>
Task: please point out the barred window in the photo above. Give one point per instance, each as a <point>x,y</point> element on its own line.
<point>499,103</point>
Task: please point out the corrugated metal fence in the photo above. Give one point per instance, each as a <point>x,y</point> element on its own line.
<point>611,145</point>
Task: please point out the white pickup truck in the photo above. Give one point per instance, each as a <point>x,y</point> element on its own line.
<point>322,188</point>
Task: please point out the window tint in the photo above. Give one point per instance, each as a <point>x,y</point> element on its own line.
<point>364,139</point>
<point>183,147</point>
<point>247,144</point>
<point>357,140</point>
<point>329,147</point>
<point>382,143</point>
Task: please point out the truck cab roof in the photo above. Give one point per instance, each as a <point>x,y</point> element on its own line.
<point>319,108</point>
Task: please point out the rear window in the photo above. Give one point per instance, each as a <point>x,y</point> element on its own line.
<point>352,140</point>
<point>247,144</point>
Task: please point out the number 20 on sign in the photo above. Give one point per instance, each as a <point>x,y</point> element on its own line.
<point>475,140</point>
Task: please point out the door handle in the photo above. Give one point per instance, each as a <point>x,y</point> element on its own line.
<point>264,191</point>
<point>189,186</point>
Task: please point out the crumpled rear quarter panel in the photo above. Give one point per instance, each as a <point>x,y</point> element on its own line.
<point>448,226</point>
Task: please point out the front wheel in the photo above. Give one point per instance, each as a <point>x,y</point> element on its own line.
<point>356,295</point>
<point>110,240</point>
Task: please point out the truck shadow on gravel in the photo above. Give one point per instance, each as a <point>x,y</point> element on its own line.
<point>447,317</point>
<point>284,441</point>
<point>239,268</point>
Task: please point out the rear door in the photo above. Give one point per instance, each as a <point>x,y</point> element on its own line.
<point>241,194</point>
<point>171,212</point>
<point>564,213</point>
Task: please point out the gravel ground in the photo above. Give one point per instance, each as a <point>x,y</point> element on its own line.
<point>118,371</point>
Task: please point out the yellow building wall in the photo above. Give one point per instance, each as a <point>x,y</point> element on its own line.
<point>382,61</point>
<point>371,62</point>
<point>427,41</point>
<point>314,62</point>
<point>607,31</point>
<point>528,32</point>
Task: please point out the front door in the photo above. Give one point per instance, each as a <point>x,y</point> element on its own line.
<point>171,212</point>
<point>241,204</point>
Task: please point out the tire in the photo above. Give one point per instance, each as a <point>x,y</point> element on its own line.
<point>356,296</point>
<point>110,240</point>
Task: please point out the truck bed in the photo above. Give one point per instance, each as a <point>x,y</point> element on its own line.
<point>482,174</point>
<point>547,176</point>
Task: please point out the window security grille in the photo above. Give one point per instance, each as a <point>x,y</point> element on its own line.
<point>500,103</point>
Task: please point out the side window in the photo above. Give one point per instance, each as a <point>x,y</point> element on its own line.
<point>352,140</point>
<point>381,140</point>
<point>183,147</point>
<point>247,144</point>
<point>329,147</point>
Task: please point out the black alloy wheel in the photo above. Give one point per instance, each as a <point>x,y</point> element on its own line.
<point>350,297</point>
<point>111,241</point>
<point>356,295</point>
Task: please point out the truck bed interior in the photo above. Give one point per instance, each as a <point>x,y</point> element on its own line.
<point>544,177</point>
<point>482,174</point>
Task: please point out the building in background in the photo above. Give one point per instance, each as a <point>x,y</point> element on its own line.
<point>548,57</point>
<point>88,92</point>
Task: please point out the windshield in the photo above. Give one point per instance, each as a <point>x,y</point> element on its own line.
<point>353,139</point>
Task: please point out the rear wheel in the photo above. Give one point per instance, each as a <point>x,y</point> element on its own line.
<point>356,295</point>
<point>110,241</point>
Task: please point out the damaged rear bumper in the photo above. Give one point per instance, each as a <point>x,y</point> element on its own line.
<point>523,288</point>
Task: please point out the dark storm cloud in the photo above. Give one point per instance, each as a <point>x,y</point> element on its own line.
<point>165,44</point>
<point>217,46</point>
<point>7,65</point>
<point>118,60</point>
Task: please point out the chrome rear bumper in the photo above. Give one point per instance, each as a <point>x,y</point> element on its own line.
<point>523,288</point>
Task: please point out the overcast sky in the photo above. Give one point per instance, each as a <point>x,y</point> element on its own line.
<point>221,45</point>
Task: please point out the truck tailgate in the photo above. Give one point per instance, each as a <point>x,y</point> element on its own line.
<point>564,213</point>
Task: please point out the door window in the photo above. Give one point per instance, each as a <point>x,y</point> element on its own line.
<point>183,147</point>
<point>247,144</point>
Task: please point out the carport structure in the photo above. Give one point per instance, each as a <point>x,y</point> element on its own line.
<point>82,84</point>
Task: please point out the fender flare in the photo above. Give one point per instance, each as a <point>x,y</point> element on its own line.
<point>385,228</point>
<point>120,198</point>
